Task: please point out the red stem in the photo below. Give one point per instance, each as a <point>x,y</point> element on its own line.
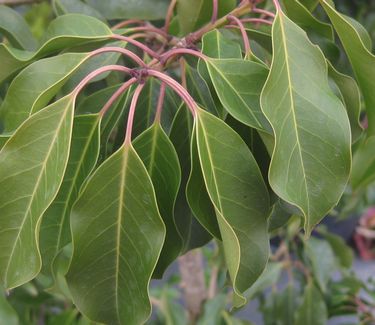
<point>215,9</point>
<point>133,104</point>
<point>169,15</point>
<point>243,33</point>
<point>264,12</point>
<point>181,91</point>
<point>167,55</point>
<point>151,30</point>
<point>128,22</point>
<point>97,72</point>
<point>140,45</point>
<point>159,107</point>
<point>277,4</point>
<point>116,95</point>
<point>256,21</point>
<point>125,52</point>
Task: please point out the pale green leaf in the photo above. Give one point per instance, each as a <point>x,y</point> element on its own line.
<point>238,84</point>
<point>117,238</point>
<point>14,27</point>
<point>8,315</point>
<point>63,7</point>
<point>35,86</point>
<point>65,31</point>
<point>361,59</point>
<point>161,161</point>
<point>32,166</point>
<point>313,310</point>
<point>311,160</point>
<point>55,226</point>
<point>216,45</point>
<point>240,197</point>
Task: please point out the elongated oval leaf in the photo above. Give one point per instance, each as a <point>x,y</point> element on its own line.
<point>15,28</point>
<point>65,31</point>
<point>161,161</point>
<point>361,59</point>
<point>117,238</point>
<point>55,227</point>
<point>32,165</point>
<point>311,159</point>
<point>240,197</point>
<point>238,83</point>
<point>63,7</point>
<point>313,310</point>
<point>34,87</point>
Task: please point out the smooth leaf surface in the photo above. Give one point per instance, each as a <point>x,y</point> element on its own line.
<point>140,9</point>
<point>35,86</point>
<point>238,84</point>
<point>65,31</point>
<point>311,160</point>
<point>193,14</point>
<point>14,27</point>
<point>3,140</point>
<point>361,59</point>
<point>63,7</point>
<point>240,197</point>
<point>313,310</point>
<point>161,161</point>
<point>351,98</point>
<point>197,196</point>
<point>7,314</point>
<point>117,238</point>
<point>32,166</point>
<point>55,226</point>
<point>363,172</point>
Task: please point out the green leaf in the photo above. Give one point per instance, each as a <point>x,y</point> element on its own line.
<point>3,140</point>
<point>7,314</point>
<point>311,159</point>
<point>363,172</point>
<point>310,4</point>
<point>161,161</point>
<point>63,7</point>
<point>197,196</point>
<point>343,252</point>
<point>303,18</point>
<point>65,31</point>
<point>35,86</point>
<point>55,227</point>
<point>361,59</point>
<point>279,217</point>
<point>117,238</point>
<point>322,260</point>
<point>313,310</point>
<point>238,84</point>
<point>240,197</point>
<point>14,27</point>
<point>193,14</point>
<point>216,45</point>
<point>122,9</point>
<point>32,165</point>
<point>191,231</point>
<point>212,310</point>
<point>351,98</point>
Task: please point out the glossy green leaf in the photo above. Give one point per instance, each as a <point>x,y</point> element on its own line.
<point>65,31</point>
<point>191,231</point>
<point>238,84</point>
<point>322,260</point>
<point>313,310</point>
<point>15,29</point>
<point>363,172</point>
<point>140,9</point>
<point>63,7</point>
<point>361,59</point>
<point>35,86</point>
<point>351,98</point>
<point>193,14</point>
<point>117,238</point>
<point>303,18</point>
<point>197,196</point>
<point>32,166</point>
<point>216,45</point>
<point>240,197</point>
<point>311,160</point>
<point>161,161</point>
<point>55,226</point>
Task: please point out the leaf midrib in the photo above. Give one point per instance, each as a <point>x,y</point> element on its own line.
<point>290,90</point>
<point>35,190</point>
